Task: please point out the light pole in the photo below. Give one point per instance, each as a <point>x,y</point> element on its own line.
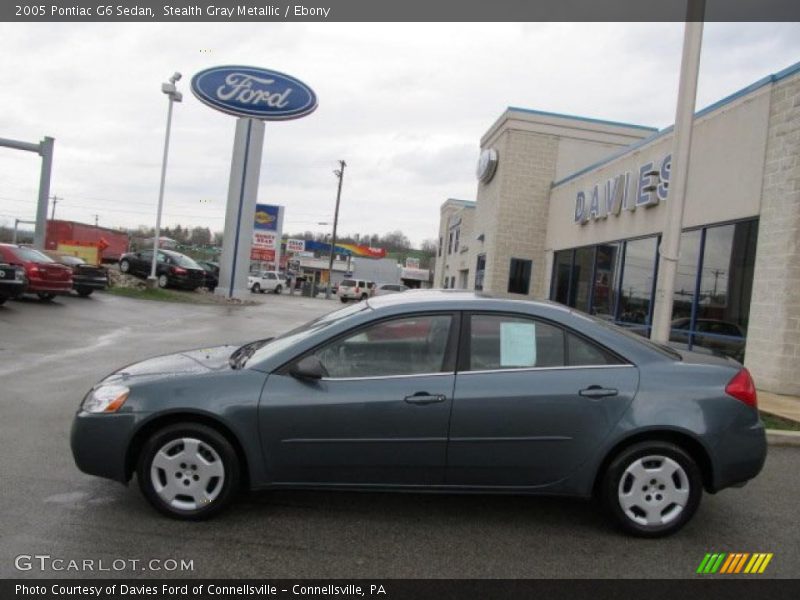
<point>173,95</point>
<point>340,174</point>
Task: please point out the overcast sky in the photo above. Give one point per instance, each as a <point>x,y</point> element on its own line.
<point>404,104</point>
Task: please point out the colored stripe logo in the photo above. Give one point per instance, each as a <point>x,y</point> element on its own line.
<point>734,563</point>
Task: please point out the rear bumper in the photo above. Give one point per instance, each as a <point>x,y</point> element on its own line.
<point>95,283</point>
<point>100,442</point>
<point>739,455</point>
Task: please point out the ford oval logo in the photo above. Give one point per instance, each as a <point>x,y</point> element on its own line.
<point>253,92</point>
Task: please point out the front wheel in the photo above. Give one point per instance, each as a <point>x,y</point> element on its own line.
<point>188,471</point>
<point>45,296</point>
<point>256,289</point>
<point>84,292</point>
<point>652,489</point>
<point>278,289</point>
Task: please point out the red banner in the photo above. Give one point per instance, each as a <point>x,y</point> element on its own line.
<point>262,255</point>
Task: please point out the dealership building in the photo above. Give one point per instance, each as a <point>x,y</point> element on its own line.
<point>571,209</point>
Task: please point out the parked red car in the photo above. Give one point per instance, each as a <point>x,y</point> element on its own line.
<point>46,278</point>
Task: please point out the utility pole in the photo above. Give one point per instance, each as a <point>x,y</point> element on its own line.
<point>96,220</point>
<point>340,174</point>
<point>681,145</point>
<point>55,200</point>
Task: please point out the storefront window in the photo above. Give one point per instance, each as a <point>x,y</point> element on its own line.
<point>519,276</point>
<point>606,280</point>
<point>480,270</point>
<point>713,285</point>
<point>637,284</point>
<point>562,266</point>
<point>582,278</point>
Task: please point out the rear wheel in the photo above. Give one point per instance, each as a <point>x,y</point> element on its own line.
<point>364,296</point>
<point>652,489</point>
<point>343,299</point>
<point>124,266</point>
<point>2,299</point>
<point>84,292</point>
<point>188,471</point>
<point>162,281</point>
<point>45,296</point>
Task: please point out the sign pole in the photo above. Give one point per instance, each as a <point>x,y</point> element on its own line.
<point>242,192</point>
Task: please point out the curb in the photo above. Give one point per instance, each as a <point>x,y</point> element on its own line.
<point>778,437</point>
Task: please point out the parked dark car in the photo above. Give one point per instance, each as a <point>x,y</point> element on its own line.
<point>86,278</point>
<point>46,278</point>
<point>716,335</point>
<point>12,281</point>
<point>173,269</point>
<point>435,390</point>
<point>211,270</point>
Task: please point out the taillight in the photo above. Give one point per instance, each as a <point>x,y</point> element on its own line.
<point>742,388</point>
<point>357,290</point>
<point>179,270</point>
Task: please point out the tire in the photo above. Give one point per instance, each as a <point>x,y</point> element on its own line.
<point>2,300</point>
<point>163,281</point>
<point>188,471</point>
<point>45,296</point>
<point>124,266</point>
<point>84,292</point>
<point>256,289</point>
<point>364,296</point>
<point>652,489</point>
<point>278,289</point>
<point>343,299</point>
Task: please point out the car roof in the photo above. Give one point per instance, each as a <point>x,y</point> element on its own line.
<point>458,300</point>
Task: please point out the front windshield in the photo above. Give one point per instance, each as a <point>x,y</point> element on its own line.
<point>298,334</point>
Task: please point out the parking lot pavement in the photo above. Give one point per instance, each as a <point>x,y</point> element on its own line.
<point>51,354</point>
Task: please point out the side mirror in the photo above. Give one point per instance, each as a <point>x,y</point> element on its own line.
<point>308,368</point>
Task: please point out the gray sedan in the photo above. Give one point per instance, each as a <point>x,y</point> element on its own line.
<point>433,390</point>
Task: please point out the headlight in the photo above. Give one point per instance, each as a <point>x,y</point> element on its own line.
<point>106,399</point>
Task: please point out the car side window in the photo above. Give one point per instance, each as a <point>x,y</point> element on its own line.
<point>404,346</point>
<point>512,342</point>
<point>582,353</point>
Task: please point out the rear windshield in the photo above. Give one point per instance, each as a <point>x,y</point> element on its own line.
<point>348,283</point>
<point>72,260</point>
<point>32,255</point>
<point>184,261</point>
<point>661,348</point>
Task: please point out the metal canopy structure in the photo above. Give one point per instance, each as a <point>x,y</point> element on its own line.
<point>45,150</point>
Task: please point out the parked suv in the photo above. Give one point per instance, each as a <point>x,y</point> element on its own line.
<point>12,281</point>
<point>266,281</point>
<point>355,289</point>
<point>172,268</point>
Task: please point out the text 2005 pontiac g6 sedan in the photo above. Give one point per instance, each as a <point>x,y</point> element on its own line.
<point>446,391</point>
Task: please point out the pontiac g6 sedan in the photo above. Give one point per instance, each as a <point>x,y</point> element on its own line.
<point>442,390</point>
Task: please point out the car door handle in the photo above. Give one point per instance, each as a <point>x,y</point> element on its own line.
<point>425,398</point>
<point>596,391</point>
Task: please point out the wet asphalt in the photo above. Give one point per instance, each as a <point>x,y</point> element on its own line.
<point>51,354</point>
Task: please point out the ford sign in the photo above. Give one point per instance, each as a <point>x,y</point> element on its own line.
<point>253,92</point>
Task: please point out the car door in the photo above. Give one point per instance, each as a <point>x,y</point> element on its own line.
<point>379,416</point>
<point>140,265</point>
<point>532,401</point>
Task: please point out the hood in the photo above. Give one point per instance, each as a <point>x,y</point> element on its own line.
<point>190,362</point>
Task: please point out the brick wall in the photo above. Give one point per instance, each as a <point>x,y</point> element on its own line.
<point>773,337</point>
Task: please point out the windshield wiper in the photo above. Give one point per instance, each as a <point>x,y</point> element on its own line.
<point>242,354</point>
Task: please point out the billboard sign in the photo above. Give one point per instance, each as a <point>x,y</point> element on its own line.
<point>295,245</point>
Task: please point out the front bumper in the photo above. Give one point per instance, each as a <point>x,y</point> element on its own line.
<point>12,289</point>
<point>100,443</point>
